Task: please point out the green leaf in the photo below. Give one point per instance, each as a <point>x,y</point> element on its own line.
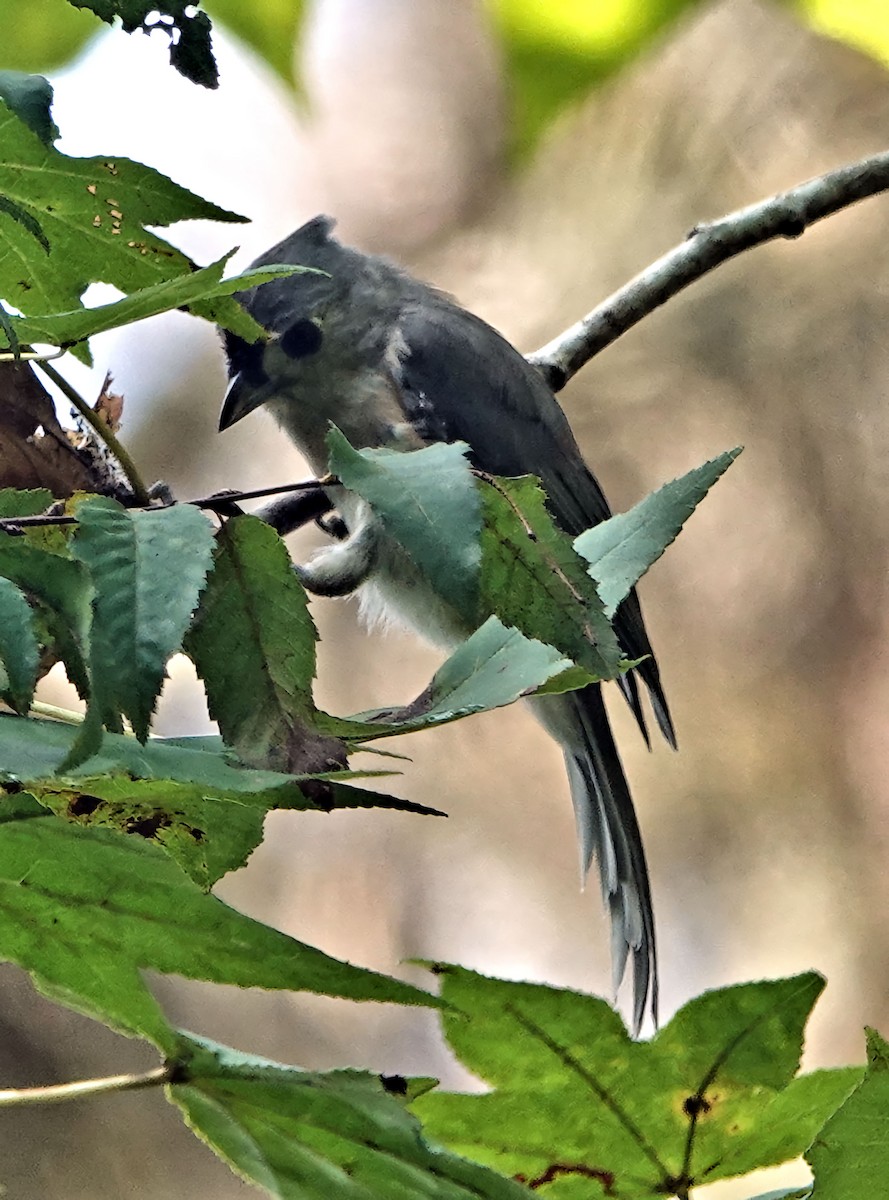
<point>205,286</point>
<point>429,504</point>
<point>622,549</point>
<point>19,652</point>
<point>20,503</point>
<point>253,644</point>
<point>711,1096</point>
<point>493,667</point>
<point>147,569</point>
<point>189,31</point>
<point>533,579</point>
<point>311,1136</point>
<point>30,97</point>
<point>208,829</point>
<point>197,802</point>
<point>850,1156</point>
<point>85,911</point>
<point>93,212</point>
<point>61,588</point>
<point>486,546</point>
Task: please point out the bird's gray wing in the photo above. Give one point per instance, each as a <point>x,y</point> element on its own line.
<point>462,381</point>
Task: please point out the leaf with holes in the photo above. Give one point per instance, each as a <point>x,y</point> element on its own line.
<point>68,222</point>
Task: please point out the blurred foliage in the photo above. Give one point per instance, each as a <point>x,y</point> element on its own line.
<point>862,23</point>
<point>555,50</point>
<point>42,35</point>
<point>270,27</point>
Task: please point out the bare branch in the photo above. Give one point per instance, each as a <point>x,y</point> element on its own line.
<point>787,215</point>
<point>57,1093</point>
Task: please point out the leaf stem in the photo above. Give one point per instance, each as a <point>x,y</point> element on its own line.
<point>102,431</point>
<point>58,1093</point>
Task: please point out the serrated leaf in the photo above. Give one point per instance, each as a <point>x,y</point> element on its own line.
<point>253,644</point>
<point>19,652</point>
<point>429,504</point>
<point>85,911</point>
<point>205,286</point>
<point>205,783</point>
<point>311,1136</point>
<point>622,549</point>
<point>15,502</point>
<point>533,579</point>
<point>147,568</point>
<point>61,588</point>
<point>30,98</point>
<point>492,668</point>
<point>850,1155</point>
<point>191,52</point>
<point>486,546</point>
<point>207,830</point>
<point>93,212</point>
<point>576,1099</point>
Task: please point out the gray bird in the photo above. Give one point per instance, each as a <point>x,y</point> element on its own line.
<point>393,362</point>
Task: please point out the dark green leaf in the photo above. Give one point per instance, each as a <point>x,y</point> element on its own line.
<point>850,1156</point>
<point>147,569</point>
<point>61,587</point>
<point>253,644</point>
<point>85,911</point>
<point>533,579</point>
<point>30,98</point>
<point>94,213</point>
<point>622,549</point>
<point>19,652</point>
<point>189,31</point>
<point>711,1096</point>
<point>205,286</point>
<point>311,1136</point>
<point>494,667</point>
<point>429,504</point>
<point>16,503</point>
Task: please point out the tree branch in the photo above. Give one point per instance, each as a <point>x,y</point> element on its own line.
<point>786,215</point>
<point>56,1093</point>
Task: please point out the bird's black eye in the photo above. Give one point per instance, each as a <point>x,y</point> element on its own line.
<point>302,339</point>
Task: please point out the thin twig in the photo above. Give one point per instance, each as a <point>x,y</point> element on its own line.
<point>102,431</point>
<point>33,356</point>
<point>786,215</point>
<point>57,1093</point>
<point>213,503</point>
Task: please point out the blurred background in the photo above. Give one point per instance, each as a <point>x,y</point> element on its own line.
<point>530,157</point>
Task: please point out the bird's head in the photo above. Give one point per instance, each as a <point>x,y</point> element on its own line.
<point>327,325</point>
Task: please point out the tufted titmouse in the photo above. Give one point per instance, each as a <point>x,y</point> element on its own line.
<point>395,363</point>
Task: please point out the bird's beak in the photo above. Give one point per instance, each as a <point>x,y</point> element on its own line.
<point>240,399</point>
